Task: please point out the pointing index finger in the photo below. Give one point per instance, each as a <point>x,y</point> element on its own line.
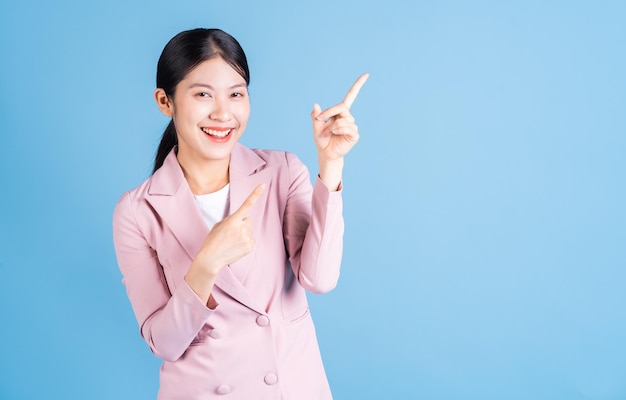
<point>354,90</point>
<point>250,201</point>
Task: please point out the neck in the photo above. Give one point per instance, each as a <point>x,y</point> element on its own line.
<point>207,176</point>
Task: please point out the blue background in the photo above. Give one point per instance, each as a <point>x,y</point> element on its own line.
<point>485,245</point>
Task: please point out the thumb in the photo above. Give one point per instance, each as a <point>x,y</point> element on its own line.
<point>317,110</point>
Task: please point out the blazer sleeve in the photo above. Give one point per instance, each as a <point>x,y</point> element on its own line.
<point>313,229</point>
<point>168,321</point>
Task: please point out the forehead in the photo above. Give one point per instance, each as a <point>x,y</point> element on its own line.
<point>214,72</point>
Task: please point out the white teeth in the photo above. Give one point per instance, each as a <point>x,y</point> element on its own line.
<point>215,133</point>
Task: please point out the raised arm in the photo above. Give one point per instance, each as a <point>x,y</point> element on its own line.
<point>335,133</point>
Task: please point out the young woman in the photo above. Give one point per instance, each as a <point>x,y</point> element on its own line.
<point>218,246</point>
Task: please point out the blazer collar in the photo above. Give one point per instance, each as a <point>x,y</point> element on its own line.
<point>168,179</point>
<point>244,162</point>
<point>173,200</point>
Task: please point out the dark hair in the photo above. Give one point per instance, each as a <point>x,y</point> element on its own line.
<point>183,53</point>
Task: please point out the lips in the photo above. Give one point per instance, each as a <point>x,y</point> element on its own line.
<point>218,133</point>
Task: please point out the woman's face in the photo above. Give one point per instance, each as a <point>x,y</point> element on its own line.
<point>210,109</point>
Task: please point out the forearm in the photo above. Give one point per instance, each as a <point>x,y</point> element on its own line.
<point>170,330</point>
<point>322,248</point>
<point>169,314</point>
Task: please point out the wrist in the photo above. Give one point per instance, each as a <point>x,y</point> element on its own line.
<point>331,172</point>
<point>201,282</point>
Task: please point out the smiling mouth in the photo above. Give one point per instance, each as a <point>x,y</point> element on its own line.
<point>222,133</point>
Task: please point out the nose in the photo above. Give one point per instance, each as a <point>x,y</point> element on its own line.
<point>220,111</point>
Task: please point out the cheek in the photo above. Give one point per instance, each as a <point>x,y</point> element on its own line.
<point>193,114</point>
<point>243,114</point>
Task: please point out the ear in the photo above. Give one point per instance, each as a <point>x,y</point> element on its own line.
<point>163,101</point>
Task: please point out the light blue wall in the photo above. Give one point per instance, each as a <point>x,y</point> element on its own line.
<point>485,252</point>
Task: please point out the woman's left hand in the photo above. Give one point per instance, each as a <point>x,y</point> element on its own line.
<point>334,129</point>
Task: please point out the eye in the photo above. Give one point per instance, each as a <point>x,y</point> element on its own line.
<point>237,94</point>
<point>203,94</point>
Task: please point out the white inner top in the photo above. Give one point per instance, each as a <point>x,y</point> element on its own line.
<point>214,206</point>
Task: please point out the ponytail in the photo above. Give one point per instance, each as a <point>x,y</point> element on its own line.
<point>168,141</point>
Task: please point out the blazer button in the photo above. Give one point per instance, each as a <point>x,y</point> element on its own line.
<point>262,320</point>
<point>223,389</point>
<point>271,379</point>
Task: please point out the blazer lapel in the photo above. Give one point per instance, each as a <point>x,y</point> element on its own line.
<point>247,171</point>
<point>174,202</point>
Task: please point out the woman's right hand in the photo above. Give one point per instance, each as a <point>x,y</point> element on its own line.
<point>229,240</point>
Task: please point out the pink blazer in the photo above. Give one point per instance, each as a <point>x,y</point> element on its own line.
<point>260,342</point>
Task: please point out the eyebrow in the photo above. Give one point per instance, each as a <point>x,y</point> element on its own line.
<point>206,85</point>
